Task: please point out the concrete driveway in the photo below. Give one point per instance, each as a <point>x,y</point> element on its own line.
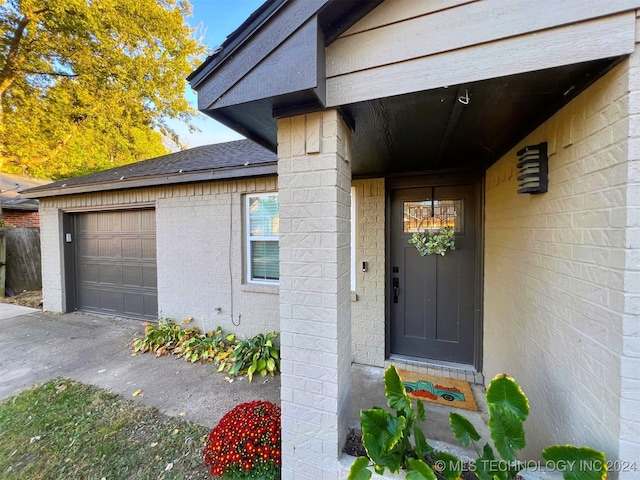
<point>37,346</point>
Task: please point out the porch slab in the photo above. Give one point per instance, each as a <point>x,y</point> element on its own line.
<point>367,390</point>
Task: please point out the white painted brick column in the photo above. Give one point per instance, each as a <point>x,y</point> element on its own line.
<point>51,232</point>
<point>630,358</point>
<point>314,182</point>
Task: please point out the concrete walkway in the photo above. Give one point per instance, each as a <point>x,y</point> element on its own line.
<point>38,346</point>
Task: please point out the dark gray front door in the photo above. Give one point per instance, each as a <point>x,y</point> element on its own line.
<point>433,298</point>
<point>116,263</point>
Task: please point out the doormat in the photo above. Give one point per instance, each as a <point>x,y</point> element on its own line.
<point>440,390</point>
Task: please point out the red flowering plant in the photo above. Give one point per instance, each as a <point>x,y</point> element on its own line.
<point>246,443</point>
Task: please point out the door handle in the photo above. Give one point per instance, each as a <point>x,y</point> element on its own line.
<point>396,287</point>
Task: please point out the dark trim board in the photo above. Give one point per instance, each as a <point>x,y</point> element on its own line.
<point>69,262</point>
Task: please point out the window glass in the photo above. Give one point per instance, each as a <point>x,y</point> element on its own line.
<point>431,215</point>
<point>265,260</point>
<point>263,215</point>
<point>263,247</point>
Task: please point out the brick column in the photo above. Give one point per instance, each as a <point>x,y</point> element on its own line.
<point>629,417</point>
<point>314,183</point>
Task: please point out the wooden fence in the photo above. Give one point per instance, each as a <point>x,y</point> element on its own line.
<point>23,262</point>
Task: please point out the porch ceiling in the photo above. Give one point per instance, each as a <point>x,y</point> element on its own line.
<point>433,129</point>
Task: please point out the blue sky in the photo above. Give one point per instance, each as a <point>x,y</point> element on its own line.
<point>216,19</point>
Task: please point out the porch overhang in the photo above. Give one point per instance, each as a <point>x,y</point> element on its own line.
<point>274,66</point>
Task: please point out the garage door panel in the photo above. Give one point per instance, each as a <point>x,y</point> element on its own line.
<point>149,277</point>
<point>110,275</point>
<point>150,306</point>
<point>131,248</point>
<point>132,223</point>
<point>108,221</point>
<point>88,248</point>
<point>116,263</point>
<point>110,247</point>
<point>90,299</point>
<point>148,224</point>
<point>134,303</point>
<point>88,273</point>
<point>111,302</point>
<point>132,276</point>
<point>148,246</point>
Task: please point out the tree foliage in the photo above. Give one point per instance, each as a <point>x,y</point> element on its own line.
<point>89,84</point>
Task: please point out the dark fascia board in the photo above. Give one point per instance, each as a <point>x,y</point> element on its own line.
<point>235,40</point>
<point>258,170</point>
<point>336,18</point>
<point>340,15</point>
<point>257,38</point>
<point>263,42</point>
<point>290,67</point>
<point>21,207</point>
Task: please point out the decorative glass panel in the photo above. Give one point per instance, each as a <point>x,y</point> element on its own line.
<point>431,215</point>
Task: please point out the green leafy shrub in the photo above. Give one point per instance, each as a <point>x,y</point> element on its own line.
<point>246,443</point>
<point>162,338</point>
<point>508,409</point>
<point>255,356</point>
<point>386,439</point>
<point>209,347</point>
<point>428,243</point>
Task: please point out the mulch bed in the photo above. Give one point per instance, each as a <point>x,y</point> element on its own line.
<point>353,446</point>
<point>26,299</point>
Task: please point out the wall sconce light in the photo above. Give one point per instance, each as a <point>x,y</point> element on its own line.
<point>533,169</point>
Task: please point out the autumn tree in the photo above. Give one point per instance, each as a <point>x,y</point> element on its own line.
<point>91,84</point>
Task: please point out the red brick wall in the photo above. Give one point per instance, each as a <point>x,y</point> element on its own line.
<point>16,218</point>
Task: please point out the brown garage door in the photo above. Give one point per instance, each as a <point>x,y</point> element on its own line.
<point>116,263</point>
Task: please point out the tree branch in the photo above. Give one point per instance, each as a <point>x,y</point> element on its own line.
<point>53,74</point>
<point>7,74</point>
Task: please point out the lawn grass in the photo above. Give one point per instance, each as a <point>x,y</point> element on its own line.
<point>68,430</point>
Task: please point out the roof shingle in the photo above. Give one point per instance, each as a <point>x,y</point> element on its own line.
<point>235,156</point>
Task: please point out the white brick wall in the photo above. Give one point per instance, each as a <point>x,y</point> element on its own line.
<point>368,312</point>
<point>198,260</point>
<point>314,177</point>
<point>53,288</point>
<point>555,273</point>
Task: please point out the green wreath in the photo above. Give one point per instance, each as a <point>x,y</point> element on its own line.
<point>428,243</point>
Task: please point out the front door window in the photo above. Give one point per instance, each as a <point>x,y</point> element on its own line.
<point>432,215</point>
